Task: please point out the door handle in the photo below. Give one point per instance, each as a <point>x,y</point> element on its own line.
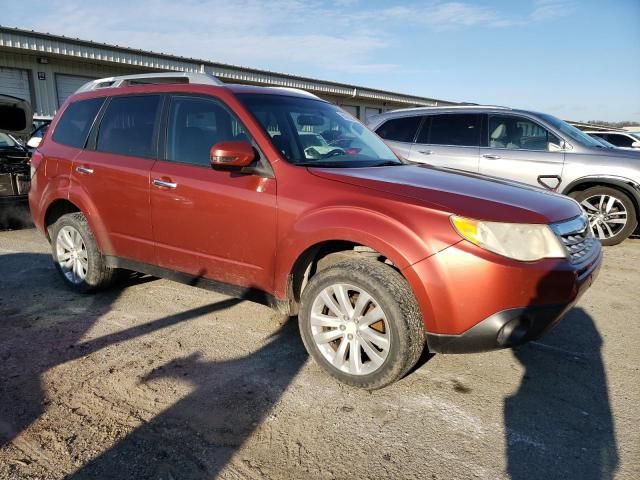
<point>492,157</point>
<point>84,170</point>
<point>426,152</point>
<point>162,183</point>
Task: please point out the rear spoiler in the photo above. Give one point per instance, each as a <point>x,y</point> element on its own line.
<point>15,115</point>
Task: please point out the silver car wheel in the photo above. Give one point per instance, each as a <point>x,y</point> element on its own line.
<point>350,329</point>
<point>607,215</point>
<point>71,254</point>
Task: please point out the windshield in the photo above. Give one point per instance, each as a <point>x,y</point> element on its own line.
<point>6,141</point>
<point>572,132</point>
<point>315,133</point>
<point>635,134</point>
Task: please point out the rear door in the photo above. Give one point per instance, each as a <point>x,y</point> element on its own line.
<point>114,174</point>
<point>210,223</point>
<point>520,149</point>
<point>449,140</point>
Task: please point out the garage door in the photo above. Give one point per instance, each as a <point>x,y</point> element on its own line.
<point>66,85</point>
<point>369,112</point>
<point>352,109</point>
<point>15,82</point>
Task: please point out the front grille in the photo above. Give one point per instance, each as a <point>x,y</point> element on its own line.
<point>577,237</point>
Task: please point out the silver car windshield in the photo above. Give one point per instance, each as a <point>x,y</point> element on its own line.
<point>570,131</point>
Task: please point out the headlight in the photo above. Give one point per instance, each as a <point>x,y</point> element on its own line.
<point>521,241</point>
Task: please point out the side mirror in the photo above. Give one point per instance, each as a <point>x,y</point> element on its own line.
<point>635,145</point>
<point>34,142</point>
<point>234,154</point>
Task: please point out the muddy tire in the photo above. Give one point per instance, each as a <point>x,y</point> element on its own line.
<point>76,255</point>
<point>360,322</point>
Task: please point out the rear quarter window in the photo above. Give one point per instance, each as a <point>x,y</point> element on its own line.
<point>76,121</point>
<point>399,129</point>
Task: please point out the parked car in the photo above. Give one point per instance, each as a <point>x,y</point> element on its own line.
<point>36,137</point>
<point>40,121</point>
<point>529,147</point>
<point>210,184</point>
<point>627,140</point>
<point>14,167</point>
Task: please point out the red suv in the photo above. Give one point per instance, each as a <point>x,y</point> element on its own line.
<point>274,195</point>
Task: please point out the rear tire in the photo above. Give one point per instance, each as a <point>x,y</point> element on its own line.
<point>76,255</point>
<point>606,208</point>
<point>381,322</point>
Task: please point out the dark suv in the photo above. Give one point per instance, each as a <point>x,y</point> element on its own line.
<point>218,185</point>
<point>15,119</point>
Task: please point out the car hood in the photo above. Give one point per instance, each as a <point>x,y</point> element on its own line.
<point>15,115</point>
<point>460,193</point>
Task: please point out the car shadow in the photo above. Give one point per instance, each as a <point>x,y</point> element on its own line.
<point>559,423</point>
<point>194,437</point>
<point>37,335</point>
<point>197,436</point>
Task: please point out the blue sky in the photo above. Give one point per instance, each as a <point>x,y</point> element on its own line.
<point>575,59</point>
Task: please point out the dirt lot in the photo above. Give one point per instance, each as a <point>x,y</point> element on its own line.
<point>159,380</point>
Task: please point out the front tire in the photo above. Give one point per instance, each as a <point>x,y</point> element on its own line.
<point>76,255</point>
<point>611,213</point>
<point>361,323</point>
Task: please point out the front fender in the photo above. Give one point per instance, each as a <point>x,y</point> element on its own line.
<point>391,237</point>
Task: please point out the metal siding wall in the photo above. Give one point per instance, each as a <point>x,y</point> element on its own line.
<point>98,60</point>
<point>46,96</point>
<point>66,85</point>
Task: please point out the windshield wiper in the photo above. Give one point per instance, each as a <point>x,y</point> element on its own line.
<point>319,164</point>
<point>387,163</point>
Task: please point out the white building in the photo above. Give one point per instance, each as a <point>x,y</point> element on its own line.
<point>46,69</point>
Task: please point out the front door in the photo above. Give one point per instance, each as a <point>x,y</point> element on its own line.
<point>208,223</point>
<point>520,149</point>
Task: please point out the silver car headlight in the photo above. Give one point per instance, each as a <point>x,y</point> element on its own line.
<point>525,242</point>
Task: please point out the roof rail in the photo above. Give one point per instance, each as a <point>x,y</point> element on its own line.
<point>470,106</point>
<point>150,78</point>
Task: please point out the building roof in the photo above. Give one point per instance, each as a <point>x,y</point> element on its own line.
<point>58,45</point>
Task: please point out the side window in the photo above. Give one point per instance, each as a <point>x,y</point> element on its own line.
<point>399,129</point>
<point>76,121</point>
<point>460,129</point>
<point>619,140</point>
<point>517,133</point>
<point>195,125</point>
<point>127,127</point>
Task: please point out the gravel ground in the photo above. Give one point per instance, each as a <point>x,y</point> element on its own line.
<point>154,379</point>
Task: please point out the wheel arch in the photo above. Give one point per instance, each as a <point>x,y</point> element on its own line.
<point>625,185</point>
<point>55,210</point>
<point>74,203</point>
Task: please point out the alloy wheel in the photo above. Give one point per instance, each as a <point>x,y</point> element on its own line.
<point>350,329</point>
<point>72,254</point>
<point>607,215</point>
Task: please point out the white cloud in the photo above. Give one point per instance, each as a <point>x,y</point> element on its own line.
<point>301,34</point>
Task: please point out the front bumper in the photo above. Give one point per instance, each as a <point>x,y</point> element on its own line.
<point>11,200</point>
<point>472,300</point>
